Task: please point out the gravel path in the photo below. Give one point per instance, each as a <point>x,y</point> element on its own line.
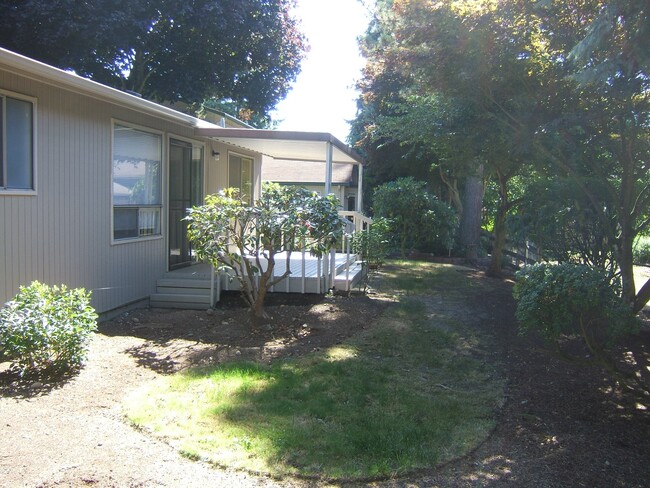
<point>82,439</point>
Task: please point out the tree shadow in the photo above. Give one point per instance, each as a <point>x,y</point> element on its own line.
<point>298,324</point>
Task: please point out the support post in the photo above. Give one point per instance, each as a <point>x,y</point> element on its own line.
<point>328,168</point>
<point>360,190</point>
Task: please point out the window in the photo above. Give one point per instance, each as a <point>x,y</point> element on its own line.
<point>16,143</point>
<point>137,182</point>
<point>240,175</point>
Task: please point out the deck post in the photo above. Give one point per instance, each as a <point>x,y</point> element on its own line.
<point>328,168</point>
<point>360,190</point>
<point>218,286</point>
<point>304,278</point>
<point>332,268</point>
<point>348,242</point>
<point>212,293</point>
<point>326,271</point>
<point>318,274</point>
<point>288,278</point>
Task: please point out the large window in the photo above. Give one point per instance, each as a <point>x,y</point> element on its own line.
<point>240,175</point>
<point>137,182</point>
<point>16,143</point>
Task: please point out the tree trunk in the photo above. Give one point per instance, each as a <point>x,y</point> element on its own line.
<point>260,288</point>
<point>626,263</point>
<point>470,223</point>
<point>627,203</point>
<point>500,231</point>
<point>257,308</point>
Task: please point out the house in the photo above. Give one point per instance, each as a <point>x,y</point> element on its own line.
<point>94,181</point>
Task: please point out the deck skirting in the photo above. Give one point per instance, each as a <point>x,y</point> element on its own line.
<point>199,287</point>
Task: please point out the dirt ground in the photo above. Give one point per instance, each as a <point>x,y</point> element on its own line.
<point>562,425</point>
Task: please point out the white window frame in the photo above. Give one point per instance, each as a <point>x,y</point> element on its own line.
<point>159,207</point>
<point>4,190</point>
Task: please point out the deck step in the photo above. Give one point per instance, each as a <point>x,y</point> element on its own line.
<point>355,274</point>
<point>179,300</point>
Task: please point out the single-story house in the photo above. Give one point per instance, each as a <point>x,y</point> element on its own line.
<point>94,181</point>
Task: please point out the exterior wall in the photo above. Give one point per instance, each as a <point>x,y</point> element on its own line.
<point>62,234</point>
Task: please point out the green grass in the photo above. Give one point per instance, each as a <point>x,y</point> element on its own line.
<point>405,395</point>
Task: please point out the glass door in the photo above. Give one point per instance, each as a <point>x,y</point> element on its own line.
<point>185,191</point>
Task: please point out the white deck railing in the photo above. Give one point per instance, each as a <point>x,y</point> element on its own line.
<point>323,268</point>
<point>357,220</point>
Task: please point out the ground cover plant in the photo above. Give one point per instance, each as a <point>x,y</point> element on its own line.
<point>409,392</point>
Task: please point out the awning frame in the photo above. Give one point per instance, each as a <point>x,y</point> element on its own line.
<point>292,146</point>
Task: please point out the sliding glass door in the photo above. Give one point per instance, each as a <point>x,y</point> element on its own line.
<point>185,191</point>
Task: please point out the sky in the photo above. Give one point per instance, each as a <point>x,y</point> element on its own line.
<point>323,97</point>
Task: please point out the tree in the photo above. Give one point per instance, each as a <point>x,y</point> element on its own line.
<point>602,130</point>
<point>474,109</point>
<point>245,239</point>
<point>170,50</point>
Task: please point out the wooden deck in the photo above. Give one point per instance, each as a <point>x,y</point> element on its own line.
<point>194,287</point>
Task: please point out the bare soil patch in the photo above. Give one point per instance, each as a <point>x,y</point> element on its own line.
<point>562,425</point>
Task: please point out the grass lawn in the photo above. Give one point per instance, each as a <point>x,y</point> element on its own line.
<point>408,393</point>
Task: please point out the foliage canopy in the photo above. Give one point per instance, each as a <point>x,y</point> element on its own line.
<point>169,50</point>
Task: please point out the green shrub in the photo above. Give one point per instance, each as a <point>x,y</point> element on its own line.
<point>570,299</point>
<point>418,219</point>
<point>641,251</point>
<point>374,244</point>
<point>47,328</point>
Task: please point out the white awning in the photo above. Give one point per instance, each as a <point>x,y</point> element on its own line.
<point>288,145</point>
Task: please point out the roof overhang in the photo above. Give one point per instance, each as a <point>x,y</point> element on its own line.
<point>44,73</point>
<point>289,145</point>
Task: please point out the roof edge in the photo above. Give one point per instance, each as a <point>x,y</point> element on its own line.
<point>24,66</point>
<point>269,134</point>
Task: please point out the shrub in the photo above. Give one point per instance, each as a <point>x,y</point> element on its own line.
<point>47,328</point>
<point>418,219</point>
<point>570,299</point>
<point>373,244</point>
<point>641,251</point>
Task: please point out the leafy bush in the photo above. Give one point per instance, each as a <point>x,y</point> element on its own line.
<point>47,327</point>
<point>641,251</point>
<point>417,218</point>
<point>374,244</point>
<point>570,299</point>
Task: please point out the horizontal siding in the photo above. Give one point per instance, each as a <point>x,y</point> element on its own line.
<point>63,234</point>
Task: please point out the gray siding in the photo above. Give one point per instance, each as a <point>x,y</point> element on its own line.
<point>63,233</point>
